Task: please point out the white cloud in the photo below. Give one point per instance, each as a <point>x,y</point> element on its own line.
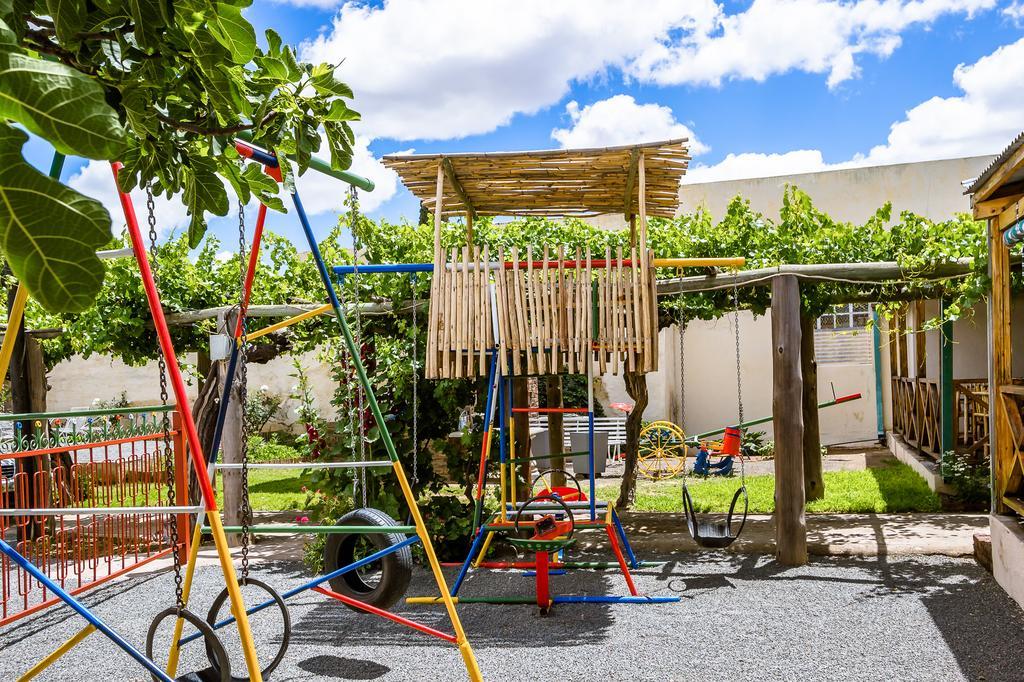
<point>96,180</point>
<point>620,120</point>
<point>982,120</point>
<point>445,69</point>
<point>1015,10</point>
<point>321,193</point>
<point>756,165</point>
<point>773,37</point>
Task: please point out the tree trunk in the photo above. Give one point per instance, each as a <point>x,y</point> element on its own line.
<point>787,411</point>
<point>814,481</point>
<point>204,412</point>
<point>556,432</point>
<point>521,431</point>
<point>21,403</point>
<point>636,387</point>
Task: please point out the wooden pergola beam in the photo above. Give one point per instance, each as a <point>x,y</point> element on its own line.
<point>627,201</point>
<point>453,180</point>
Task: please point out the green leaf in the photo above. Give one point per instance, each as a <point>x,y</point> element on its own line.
<point>65,107</point>
<point>340,112</point>
<point>68,19</point>
<point>233,32</point>
<point>204,191</point>
<point>326,84</point>
<point>149,17</point>
<point>49,232</point>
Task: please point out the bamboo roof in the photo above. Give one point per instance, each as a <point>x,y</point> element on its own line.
<point>555,182</point>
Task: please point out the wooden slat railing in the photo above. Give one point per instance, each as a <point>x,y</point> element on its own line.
<point>917,415</point>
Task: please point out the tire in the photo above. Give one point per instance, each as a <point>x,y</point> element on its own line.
<point>394,571</point>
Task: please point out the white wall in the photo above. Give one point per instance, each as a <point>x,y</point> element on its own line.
<point>929,188</point>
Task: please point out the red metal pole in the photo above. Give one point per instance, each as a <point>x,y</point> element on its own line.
<point>250,273</point>
<point>181,487</point>
<point>622,560</point>
<point>163,334</point>
<point>543,590</point>
<point>355,603</point>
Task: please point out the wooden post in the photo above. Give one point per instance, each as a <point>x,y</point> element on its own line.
<point>231,447</point>
<point>521,429</point>
<point>947,394</point>
<point>814,480</point>
<point>901,334</point>
<point>556,432</point>
<point>35,373</point>
<point>469,228</point>
<point>920,352</point>
<point>1005,471</point>
<point>790,525</point>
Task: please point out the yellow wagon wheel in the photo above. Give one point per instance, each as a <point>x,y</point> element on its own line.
<point>662,451</point>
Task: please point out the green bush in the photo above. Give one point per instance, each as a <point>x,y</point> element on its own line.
<point>969,477</point>
<point>262,450</point>
<point>449,520</point>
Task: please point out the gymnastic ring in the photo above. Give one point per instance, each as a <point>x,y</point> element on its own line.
<point>209,636</point>
<point>212,616</point>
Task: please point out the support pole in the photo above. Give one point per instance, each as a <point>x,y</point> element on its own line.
<point>814,480</point>
<point>947,394</point>
<point>790,525</point>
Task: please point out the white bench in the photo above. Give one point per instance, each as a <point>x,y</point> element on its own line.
<point>615,427</point>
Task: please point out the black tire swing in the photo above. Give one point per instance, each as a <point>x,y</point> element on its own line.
<point>706,532</point>
<point>272,596</point>
<point>381,583</point>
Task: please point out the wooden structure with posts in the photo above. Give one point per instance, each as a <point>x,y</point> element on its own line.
<point>997,195</point>
<point>543,307</point>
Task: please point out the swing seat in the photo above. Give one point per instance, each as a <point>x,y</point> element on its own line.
<point>717,534</point>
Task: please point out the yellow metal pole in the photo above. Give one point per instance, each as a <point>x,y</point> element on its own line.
<point>435,566</point>
<point>699,262</point>
<point>220,541</point>
<point>186,589</point>
<point>57,653</point>
<point>289,322</point>
<point>13,323</point>
<point>483,550</point>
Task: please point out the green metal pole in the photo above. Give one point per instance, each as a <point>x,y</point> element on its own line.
<point>876,346</point>
<point>321,166</point>
<point>946,381</point>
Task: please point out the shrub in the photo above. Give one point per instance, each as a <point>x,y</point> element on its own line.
<point>272,450</point>
<point>969,477</point>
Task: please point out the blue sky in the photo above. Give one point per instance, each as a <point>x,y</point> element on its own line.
<point>765,88</point>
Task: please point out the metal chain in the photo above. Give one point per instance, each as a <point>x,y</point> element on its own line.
<point>243,394</point>
<point>739,373</point>
<point>168,453</point>
<point>682,366</point>
<point>360,417</point>
<point>415,387</point>
<point>344,362</point>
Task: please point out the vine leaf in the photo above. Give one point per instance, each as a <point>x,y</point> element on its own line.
<point>49,232</point>
<point>65,107</point>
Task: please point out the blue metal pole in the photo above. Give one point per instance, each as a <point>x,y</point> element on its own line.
<point>84,612</point>
<point>633,563</point>
<point>492,385</point>
<point>412,539</point>
<point>379,268</point>
<point>593,478</point>
<point>474,548</point>
<point>222,410</point>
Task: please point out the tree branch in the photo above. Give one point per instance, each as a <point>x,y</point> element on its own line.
<point>199,128</point>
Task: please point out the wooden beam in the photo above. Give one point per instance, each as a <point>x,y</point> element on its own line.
<point>999,365</point>
<point>883,271</point>
<point>814,479</point>
<point>999,177</point>
<point>453,180</point>
<point>992,207</point>
<point>627,200</point>
<point>790,524</point>
<point>920,342</point>
<point>1009,215</point>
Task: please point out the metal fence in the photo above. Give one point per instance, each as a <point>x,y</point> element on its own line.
<point>90,459</point>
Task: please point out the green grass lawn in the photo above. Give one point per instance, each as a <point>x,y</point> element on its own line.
<point>893,487</point>
<point>272,490</point>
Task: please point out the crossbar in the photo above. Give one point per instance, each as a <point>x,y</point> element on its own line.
<point>99,511</point>
<point>376,463</point>
<point>314,530</point>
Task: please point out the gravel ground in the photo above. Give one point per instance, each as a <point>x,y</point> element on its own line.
<point>842,618</point>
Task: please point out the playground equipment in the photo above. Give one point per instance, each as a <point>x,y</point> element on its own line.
<point>365,537</point>
<point>169,370</point>
<point>554,312</point>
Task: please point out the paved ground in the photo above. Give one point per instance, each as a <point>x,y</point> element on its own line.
<point>741,616</point>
